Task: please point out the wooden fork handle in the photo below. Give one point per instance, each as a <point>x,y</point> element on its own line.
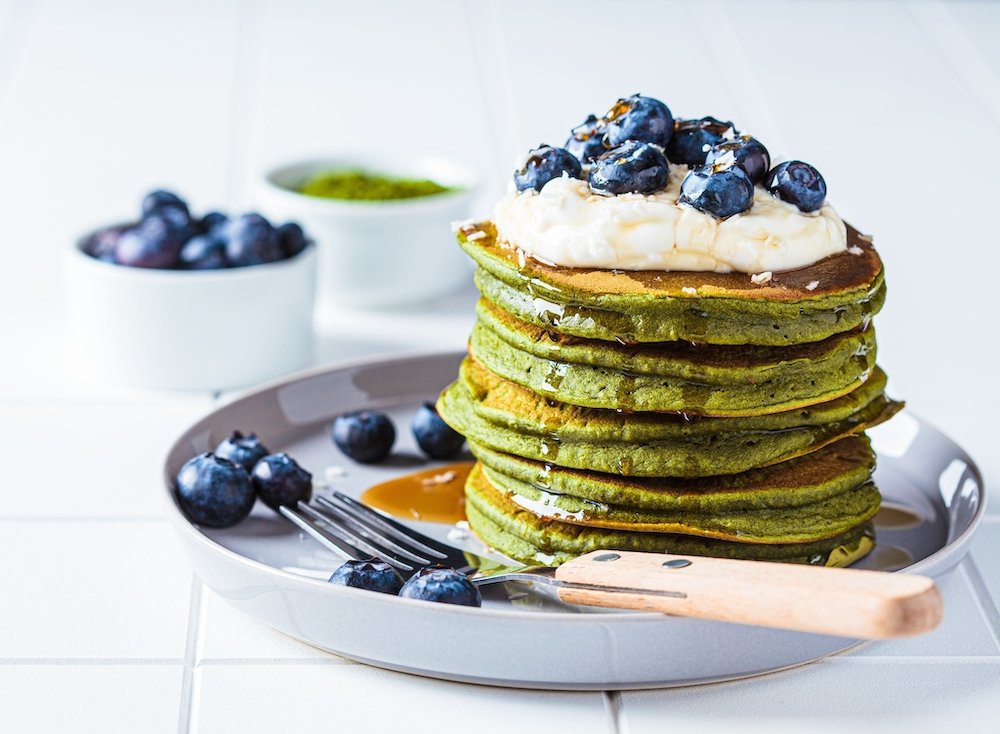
<point>833,601</point>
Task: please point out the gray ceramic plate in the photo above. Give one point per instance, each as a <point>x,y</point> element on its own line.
<point>266,568</point>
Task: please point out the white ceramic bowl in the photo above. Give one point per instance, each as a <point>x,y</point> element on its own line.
<point>377,253</point>
<point>188,329</point>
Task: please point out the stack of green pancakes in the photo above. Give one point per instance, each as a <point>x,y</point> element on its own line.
<point>678,412</point>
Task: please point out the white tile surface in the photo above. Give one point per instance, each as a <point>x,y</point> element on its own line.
<point>342,698</point>
<point>92,590</point>
<point>89,458</point>
<point>110,699</point>
<point>104,101</point>
<point>387,84</point>
<point>837,696</point>
<point>100,101</point>
<point>985,554</point>
<point>225,634</point>
<point>964,631</point>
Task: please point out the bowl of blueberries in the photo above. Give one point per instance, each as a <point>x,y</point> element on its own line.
<point>179,301</point>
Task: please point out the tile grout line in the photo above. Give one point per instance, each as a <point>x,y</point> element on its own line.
<point>332,660</point>
<point>246,69</point>
<point>494,86</point>
<point>59,662</point>
<point>159,519</point>
<point>987,604</point>
<point>186,709</point>
<point>613,707</point>
<point>897,659</point>
<point>939,26</point>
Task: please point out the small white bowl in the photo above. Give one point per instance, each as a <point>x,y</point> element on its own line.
<point>377,253</point>
<point>190,329</point>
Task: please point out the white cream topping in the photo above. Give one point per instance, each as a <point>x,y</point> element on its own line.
<point>566,224</point>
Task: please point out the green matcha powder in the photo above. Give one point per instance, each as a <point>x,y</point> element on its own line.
<point>363,185</point>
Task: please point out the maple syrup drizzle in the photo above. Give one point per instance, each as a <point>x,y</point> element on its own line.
<point>431,495</point>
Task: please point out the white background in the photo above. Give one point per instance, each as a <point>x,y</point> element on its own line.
<point>102,626</point>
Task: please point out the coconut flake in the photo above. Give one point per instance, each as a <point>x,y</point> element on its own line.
<point>761,278</point>
<point>689,290</point>
<point>855,250</point>
<point>813,285</point>
<point>463,225</point>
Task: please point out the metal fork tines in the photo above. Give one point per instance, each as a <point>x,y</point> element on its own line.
<point>354,531</point>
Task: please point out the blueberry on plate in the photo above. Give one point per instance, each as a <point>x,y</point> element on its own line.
<point>437,583</point>
<point>633,167</point>
<point>250,240</point>
<point>721,192</point>
<point>243,450</point>
<point>103,242</point>
<point>364,435</point>
<point>435,437</point>
<point>371,575</point>
<point>797,183</point>
<point>639,118</point>
<point>693,139</point>
<point>543,164</point>
<point>586,140</point>
<point>291,239</point>
<point>214,492</point>
<point>203,252</point>
<point>279,480</point>
<point>152,243</point>
<point>747,152</point>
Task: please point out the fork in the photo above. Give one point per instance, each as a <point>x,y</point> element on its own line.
<point>834,601</point>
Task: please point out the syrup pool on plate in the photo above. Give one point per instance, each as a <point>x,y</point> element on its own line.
<point>432,495</point>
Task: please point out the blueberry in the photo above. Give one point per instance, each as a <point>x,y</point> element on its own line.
<point>435,437</point>
<point>586,140</point>
<point>203,252</point>
<point>748,153</point>
<point>250,240</point>
<point>372,575</point>
<point>153,243</point>
<point>365,435</point>
<point>291,239</point>
<point>103,242</point>
<point>639,118</point>
<point>243,450</point>
<point>438,583</point>
<point>214,492</point>
<point>721,192</point>
<point>543,164</point>
<point>632,167</point>
<point>211,221</point>
<point>692,140</point>
<point>279,480</point>
<point>158,199</point>
<point>797,183</point>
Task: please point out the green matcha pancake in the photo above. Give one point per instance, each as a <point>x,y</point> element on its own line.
<point>806,480</point>
<point>509,418</point>
<point>672,376</point>
<point>522,535</point>
<point>815,521</point>
<point>835,295</point>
